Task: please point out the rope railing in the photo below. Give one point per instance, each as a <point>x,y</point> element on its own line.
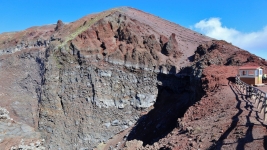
<point>254,93</point>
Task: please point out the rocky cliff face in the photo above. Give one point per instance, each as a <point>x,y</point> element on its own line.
<point>93,103</point>
<point>82,83</point>
<point>101,81</point>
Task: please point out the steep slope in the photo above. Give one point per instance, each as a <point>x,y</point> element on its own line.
<point>106,76</point>
<point>21,68</point>
<point>119,71</point>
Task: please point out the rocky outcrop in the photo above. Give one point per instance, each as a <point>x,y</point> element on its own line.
<point>32,38</point>
<point>59,26</point>
<point>38,145</point>
<point>26,45</point>
<point>104,101</point>
<point>171,47</point>
<point>11,131</point>
<point>223,53</point>
<point>4,114</point>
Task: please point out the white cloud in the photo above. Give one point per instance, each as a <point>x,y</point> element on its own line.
<point>254,41</point>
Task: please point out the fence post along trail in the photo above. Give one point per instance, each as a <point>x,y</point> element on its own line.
<point>254,93</point>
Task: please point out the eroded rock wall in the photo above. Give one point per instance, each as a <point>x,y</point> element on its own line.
<point>103,80</point>
<point>20,84</point>
<point>86,104</point>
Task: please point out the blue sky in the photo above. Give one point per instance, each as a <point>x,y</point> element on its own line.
<point>244,23</point>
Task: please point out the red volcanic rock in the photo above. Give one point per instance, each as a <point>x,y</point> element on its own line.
<point>59,26</point>
<point>151,43</point>
<point>163,39</point>
<point>215,77</point>
<point>222,53</point>
<point>171,47</point>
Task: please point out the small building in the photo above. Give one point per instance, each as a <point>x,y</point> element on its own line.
<point>251,75</point>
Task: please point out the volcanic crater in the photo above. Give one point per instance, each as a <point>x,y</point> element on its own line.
<point>124,79</point>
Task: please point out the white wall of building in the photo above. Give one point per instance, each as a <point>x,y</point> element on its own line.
<point>249,73</point>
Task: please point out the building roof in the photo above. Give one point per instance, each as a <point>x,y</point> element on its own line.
<point>249,67</point>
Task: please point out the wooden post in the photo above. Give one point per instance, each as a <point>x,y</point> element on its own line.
<point>263,105</point>
<point>259,100</point>
<point>248,91</point>
<point>256,97</point>
<point>265,100</point>
<point>253,94</point>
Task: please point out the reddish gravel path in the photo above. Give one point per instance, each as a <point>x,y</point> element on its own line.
<point>234,123</point>
<point>248,130</point>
